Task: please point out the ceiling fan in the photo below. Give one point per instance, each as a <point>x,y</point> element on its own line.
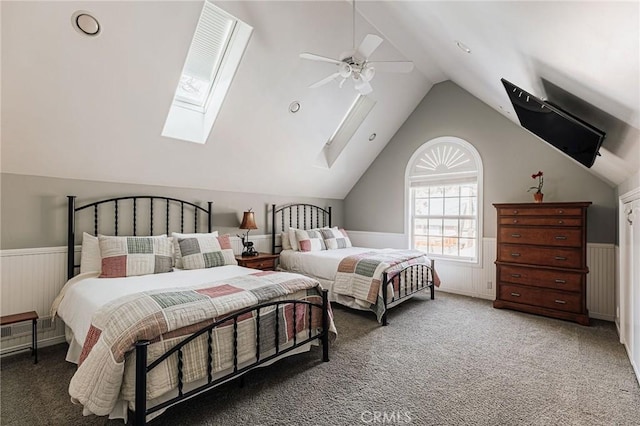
<point>355,63</point>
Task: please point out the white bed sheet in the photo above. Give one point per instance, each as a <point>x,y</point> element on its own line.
<point>86,293</point>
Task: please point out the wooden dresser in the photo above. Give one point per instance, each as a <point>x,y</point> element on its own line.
<point>541,265</point>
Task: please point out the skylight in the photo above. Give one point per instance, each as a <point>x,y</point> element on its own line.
<point>215,53</point>
<point>356,114</point>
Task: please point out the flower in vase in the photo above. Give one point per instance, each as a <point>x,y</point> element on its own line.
<point>537,188</point>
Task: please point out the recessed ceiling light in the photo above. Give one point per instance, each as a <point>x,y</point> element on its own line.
<point>294,107</point>
<point>463,46</point>
<point>372,137</point>
<point>85,23</point>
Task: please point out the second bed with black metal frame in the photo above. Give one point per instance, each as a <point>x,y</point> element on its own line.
<point>416,277</point>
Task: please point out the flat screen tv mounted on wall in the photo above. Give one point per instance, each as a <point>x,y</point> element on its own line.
<point>566,132</point>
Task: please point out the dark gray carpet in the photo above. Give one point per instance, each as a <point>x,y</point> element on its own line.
<point>450,361</point>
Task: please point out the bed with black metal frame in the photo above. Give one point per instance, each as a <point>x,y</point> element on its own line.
<point>143,367</point>
<point>415,278</point>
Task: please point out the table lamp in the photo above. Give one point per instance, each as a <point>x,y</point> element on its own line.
<point>248,223</point>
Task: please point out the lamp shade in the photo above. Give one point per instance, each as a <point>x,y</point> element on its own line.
<point>248,221</point>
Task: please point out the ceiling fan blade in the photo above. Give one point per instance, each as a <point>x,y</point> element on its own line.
<point>364,87</point>
<point>314,57</point>
<point>368,45</point>
<point>392,66</point>
<point>325,80</point>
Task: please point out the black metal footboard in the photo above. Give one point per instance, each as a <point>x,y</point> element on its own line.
<point>142,369</point>
<point>412,279</point>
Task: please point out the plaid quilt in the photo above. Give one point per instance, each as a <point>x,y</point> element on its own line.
<point>360,275</point>
<point>106,370</point>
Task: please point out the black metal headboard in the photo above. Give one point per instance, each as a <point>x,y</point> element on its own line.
<point>130,208</point>
<point>300,216</point>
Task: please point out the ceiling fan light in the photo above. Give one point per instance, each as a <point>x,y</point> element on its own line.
<point>363,87</point>
<point>345,70</point>
<point>367,73</point>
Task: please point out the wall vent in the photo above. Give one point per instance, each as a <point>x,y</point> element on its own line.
<point>24,328</point>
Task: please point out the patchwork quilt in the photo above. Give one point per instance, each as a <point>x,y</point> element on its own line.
<point>165,317</point>
<point>360,276</point>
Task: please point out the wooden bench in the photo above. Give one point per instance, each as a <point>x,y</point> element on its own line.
<point>23,317</point>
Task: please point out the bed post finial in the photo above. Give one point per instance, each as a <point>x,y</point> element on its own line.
<point>71,234</point>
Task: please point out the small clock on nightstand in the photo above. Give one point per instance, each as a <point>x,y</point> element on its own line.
<point>264,261</point>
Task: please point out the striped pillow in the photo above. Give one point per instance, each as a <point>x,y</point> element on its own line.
<point>310,240</point>
<point>176,236</point>
<point>131,256</point>
<point>335,238</point>
<point>206,251</point>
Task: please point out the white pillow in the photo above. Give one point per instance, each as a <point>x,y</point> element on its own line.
<point>293,239</point>
<point>176,247</point>
<point>285,241</point>
<point>90,260</point>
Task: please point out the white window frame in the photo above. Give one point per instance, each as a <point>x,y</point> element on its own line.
<point>479,174</point>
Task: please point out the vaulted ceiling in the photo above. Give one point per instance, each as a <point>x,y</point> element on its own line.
<point>94,108</point>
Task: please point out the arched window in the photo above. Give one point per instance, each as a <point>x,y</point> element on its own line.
<point>444,182</point>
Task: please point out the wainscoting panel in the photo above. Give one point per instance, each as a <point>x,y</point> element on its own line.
<point>601,293</point>
<point>31,279</point>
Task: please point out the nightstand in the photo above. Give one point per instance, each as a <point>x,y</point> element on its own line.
<point>264,261</point>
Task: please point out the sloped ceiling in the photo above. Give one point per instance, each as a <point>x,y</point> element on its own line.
<point>93,108</point>
<point>584,56</point>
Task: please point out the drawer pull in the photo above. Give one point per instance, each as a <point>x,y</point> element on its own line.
<point>560,282</point>
<point>562,302</point>
<point>515,254</point>
<point>515,294</point>
<point>560,222</point>
<point>560,258</point>
<point>560,211</point>
<point>516,275</point>
<point>515,220</point>
<point>516,235</point>
<point>515,212</point>
<point>560,237</point>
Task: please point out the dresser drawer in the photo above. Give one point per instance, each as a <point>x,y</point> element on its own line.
<point>559,237</point>
<point>549,211</point>
<point>558,300</point>
<point>546,256</point>
<point>547,278</point>
<point>541,221</point>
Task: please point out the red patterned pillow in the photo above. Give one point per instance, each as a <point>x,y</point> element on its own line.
<point>130,256</point>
